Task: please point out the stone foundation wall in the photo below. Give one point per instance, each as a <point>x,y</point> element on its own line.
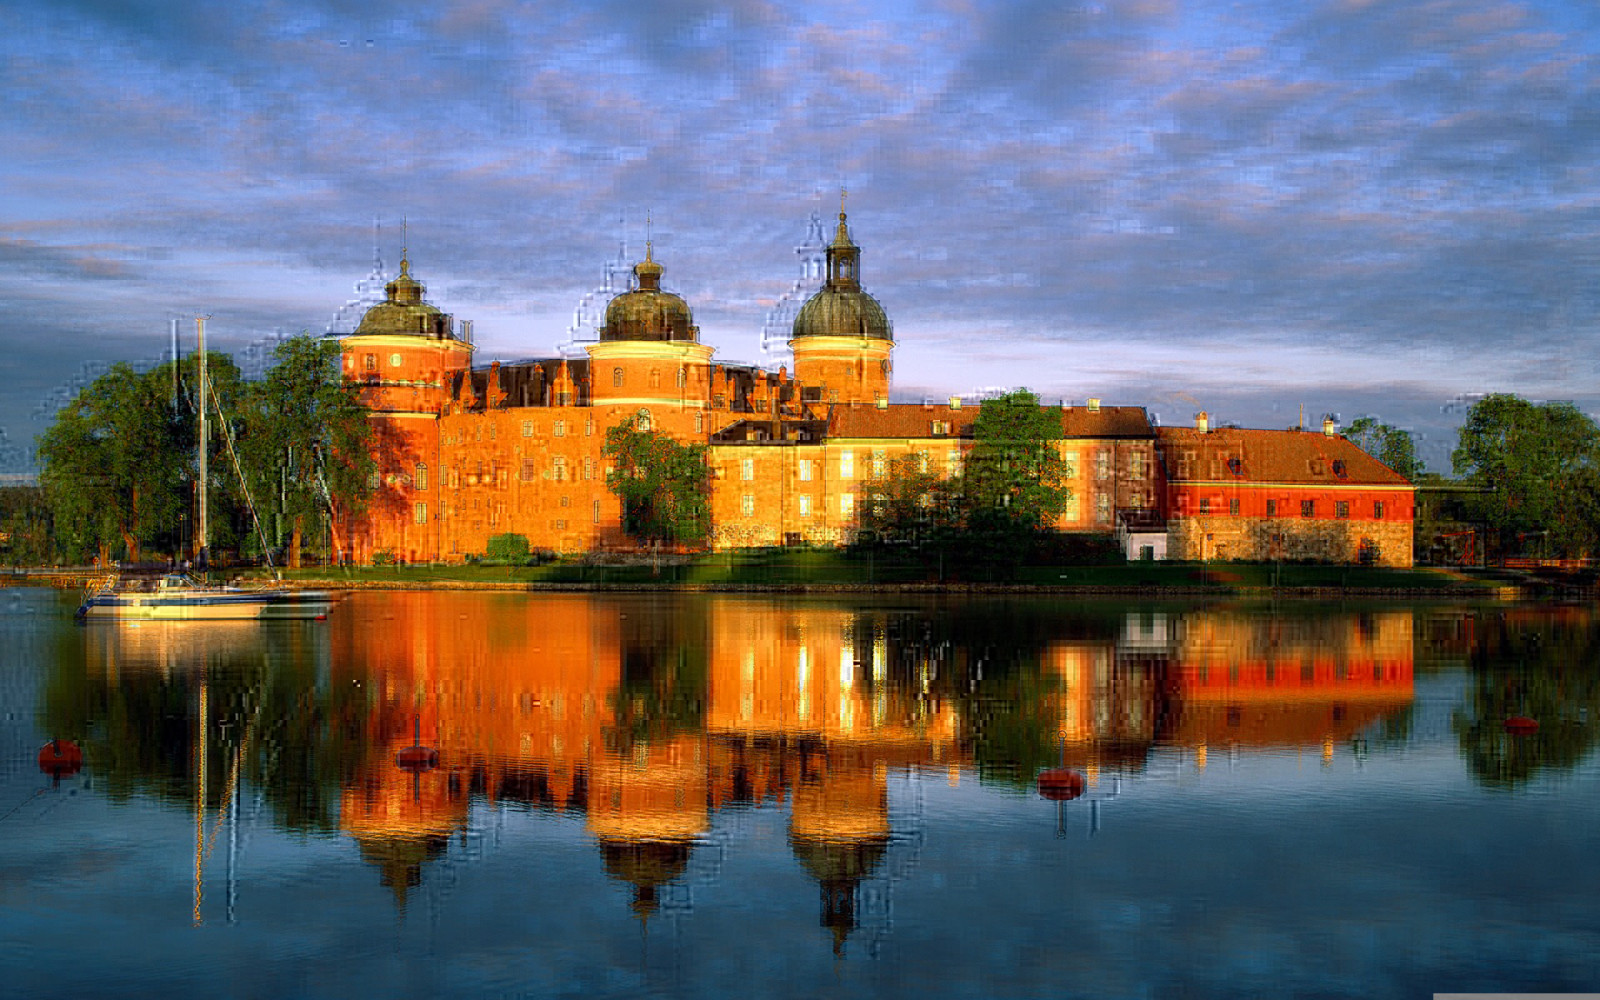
<point>1262,539</point>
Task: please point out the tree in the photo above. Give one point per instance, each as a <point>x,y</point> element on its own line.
<point>664,486</point>
<point>307,441</point>
<point>1539,465</point>
<point>908,502</point>
<point>1015,477</point>
<point>1390,445</point>
<point>119,460</point>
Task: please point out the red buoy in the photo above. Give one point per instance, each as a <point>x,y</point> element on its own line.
<point>60,758</point>
<point>1060,784</point>
<point>417,758</point>
<point>1521,725</point>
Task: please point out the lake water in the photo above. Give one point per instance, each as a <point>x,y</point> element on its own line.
<point>677,795</point>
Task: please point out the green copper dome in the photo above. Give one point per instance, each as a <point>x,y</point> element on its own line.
<point>404,312</point>
<point>841,308</point>
<point>647,312</point>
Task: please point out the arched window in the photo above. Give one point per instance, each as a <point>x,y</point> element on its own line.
<point>641,420</point>
<point>683,377</point>
<point>616,377</point>
<point>422,476</point>
<point>655,378</point>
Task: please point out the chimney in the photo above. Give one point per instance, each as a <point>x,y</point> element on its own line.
<point>955,402</point>
<point>1328,425</point>
<point>1094,404</point>
<point>1202,422</point>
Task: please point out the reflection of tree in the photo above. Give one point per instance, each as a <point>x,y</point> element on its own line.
<point>138,724</point>
<point>1545,672</point>
<point>665,673</point>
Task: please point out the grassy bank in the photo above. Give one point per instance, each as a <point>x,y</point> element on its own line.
<point>819,568</point>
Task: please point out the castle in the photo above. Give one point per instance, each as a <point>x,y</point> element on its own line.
<point>466,454</point>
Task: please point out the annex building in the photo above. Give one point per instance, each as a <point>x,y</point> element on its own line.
<point>467,453</point>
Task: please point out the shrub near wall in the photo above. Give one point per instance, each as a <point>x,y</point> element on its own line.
<point>507,548</point>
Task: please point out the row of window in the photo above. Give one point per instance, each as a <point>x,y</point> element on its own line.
<point>419,514</point>
<point>655,378</point>
<point>1308,508</point>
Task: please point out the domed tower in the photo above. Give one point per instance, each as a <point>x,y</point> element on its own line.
<point>842,337</point>
<point>405,349</point>
<point>649,352</point>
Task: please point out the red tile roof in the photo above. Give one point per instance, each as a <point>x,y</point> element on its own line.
<point>1232,454</point>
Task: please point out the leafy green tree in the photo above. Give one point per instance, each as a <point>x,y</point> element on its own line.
<point>25,529</point>
<point>664,486</point>
<point>307,442</point>
<point>119,464</point>
<point>1539,465</point>
<point>909,502</point>
<point>1014,481</point>
<point>1390,445</point>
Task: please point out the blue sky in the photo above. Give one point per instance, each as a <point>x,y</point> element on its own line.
<point>1359,207</point>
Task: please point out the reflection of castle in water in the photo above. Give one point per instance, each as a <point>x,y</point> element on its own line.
<point>648,717</point>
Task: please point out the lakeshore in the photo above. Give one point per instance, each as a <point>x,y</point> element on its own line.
<point>831,573</point>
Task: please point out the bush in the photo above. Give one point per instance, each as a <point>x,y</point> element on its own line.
<point>507,548</point>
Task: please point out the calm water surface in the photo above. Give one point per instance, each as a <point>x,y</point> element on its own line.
<point>732,796</point>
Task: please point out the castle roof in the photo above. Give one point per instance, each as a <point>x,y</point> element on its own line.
<point>1234,454</point>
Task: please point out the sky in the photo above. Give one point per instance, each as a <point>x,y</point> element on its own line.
<point>1358,207</point>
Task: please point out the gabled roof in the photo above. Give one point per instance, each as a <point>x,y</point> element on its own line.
<point>1233,454</point>
<point>916,420</point>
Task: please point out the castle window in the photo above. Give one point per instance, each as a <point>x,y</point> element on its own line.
<point>1341,508</point>
<point>527,428</point>
<point>616,377</point>
<point>1272,508</point>
<point>560,429</point>
<point>1102,465</point>
<point>1308,508</point>
<point>370,363</point>
<point>641,420</point>
<point>747,505</point>
<point>395,360</point>
<point>747,468</point>
<point>922,462</point>
<point>597,512</point>
<point>1205,505</point>
<point>847,505</point>
<point>1136,501</point>
<point>588,427</point>
<point>805,506</point>
<point>683,377</point>
<point>1070,471</point>
<point>422,476</point>
<point>1233,506</point>
<point>847,465</point>
<point>530,470</point>
<point>805,470</point>
<point>1377,510</point>
<point>588,467</point>
<point>419,513</point>
<point>1102,507</point>
<point>558,468</point>
<point>566,501</point>
<point>1136,464</point>
<point>655,378</point>
<point>952,463</point>
<point>879,463</point>
<point>699,422</point>
<point>372,479</point>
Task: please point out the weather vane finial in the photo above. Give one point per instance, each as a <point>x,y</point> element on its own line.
<point>405,263</point>
<point>842,194</point>
<point>648,245</point>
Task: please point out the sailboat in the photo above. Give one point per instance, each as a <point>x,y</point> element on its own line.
<point>179,597</point>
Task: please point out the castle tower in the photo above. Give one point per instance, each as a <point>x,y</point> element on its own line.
<point>405,355</point>
<point>649,355</point>
<point>405,349</point>
<point>842,337</point>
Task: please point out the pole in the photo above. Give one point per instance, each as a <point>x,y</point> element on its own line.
<point>203,557</point>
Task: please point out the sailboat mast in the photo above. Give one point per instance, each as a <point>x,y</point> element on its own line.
<point>204,556</point>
